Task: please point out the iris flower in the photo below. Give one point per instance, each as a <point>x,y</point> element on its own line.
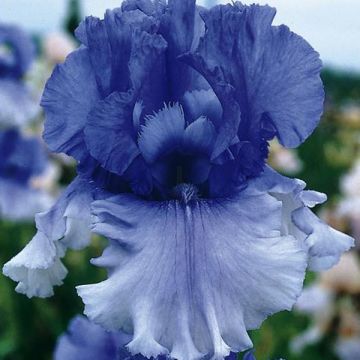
<point>21,160</point>
<point>168,109</point>
<point>17,52</point>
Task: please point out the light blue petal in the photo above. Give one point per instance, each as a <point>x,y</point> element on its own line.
<point>324,244</point>
<point>190,279</point>
<point>38,267</point>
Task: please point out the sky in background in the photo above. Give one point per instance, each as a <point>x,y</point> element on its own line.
<point>331,26</point>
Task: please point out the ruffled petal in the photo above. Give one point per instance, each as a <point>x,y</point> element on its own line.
<point>110,132</point>
<point>38,267</point>
<point>70,94</point>
<point>243,50</point>
<point>98,44</point>
<point>190,279</point>
<point>179,27</point>
<point>137,54</point>
<point>324,244</point>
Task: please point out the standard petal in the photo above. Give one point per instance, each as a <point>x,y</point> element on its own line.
<point>38,267</point>
<point>180,26</point>
<point>98,44</point>
<point>69,95</point>
<point>242,49</point>
<point>137,54</point>
<point>109,132</point>
<point>190,279</point>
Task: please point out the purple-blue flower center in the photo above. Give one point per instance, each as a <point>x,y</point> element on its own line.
<point>171,94</point>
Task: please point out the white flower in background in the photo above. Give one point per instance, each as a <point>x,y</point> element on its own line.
<point>347,346</point>
<point>48,180</point>
<point>283,159</point>
<point>320,301</point>
<point>350,115</point>
<point>349,206</point>
<point>343,277</point>
<point>350,183</point>
<point>57,46</point>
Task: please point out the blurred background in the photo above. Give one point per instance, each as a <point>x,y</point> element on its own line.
<point>325,324</point>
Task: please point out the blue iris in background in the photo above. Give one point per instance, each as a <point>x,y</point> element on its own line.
<point>22,158</point>
<point>17,53</point>
<point>85,340</point>
<point>168,109</point>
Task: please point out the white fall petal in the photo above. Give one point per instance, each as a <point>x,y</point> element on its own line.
<point>190,279</point>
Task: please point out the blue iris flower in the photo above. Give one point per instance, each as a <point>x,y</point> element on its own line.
<point>168,109</point>
<point>17,53</point>
<point>21,159</point>
<point>86,340</point>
